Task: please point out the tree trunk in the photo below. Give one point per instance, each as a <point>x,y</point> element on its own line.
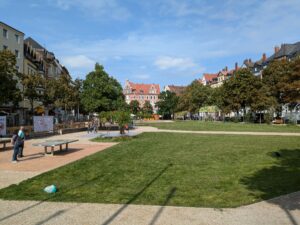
<point>122,130</point>
<point>260,117</point>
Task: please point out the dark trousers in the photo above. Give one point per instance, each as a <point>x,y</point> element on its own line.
<point>21,147</point>
<point>16,151</point>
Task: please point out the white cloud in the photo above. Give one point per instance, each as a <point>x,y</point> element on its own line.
<point>95,8</point>
<point>78,62</point>
<point>167,62</point>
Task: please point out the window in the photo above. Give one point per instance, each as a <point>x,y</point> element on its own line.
<point>17,38</point>
<point>4,47</point>
<point>17,53</point>
<point>18,68</point>
<point>5,33</point>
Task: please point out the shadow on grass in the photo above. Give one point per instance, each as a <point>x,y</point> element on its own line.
<point>159,212</point>
<point>280,179</point>
<point>52,197</point>
<point>113,216</point>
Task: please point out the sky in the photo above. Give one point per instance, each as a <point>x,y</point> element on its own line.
<point>157,41</point>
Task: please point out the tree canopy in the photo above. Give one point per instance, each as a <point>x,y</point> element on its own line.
<point>101,92</point>
<point>167,104</point>
<point>8,76</point>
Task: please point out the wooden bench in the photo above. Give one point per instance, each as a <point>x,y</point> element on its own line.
<point>53,143</point>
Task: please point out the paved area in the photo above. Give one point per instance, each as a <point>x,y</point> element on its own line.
<point>280,211</point>
<point>35,162</point>
<point>154,129</point>
<point>284,210</point>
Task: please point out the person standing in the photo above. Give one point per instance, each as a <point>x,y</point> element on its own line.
<point>20,141</point>
<point>16,147</point>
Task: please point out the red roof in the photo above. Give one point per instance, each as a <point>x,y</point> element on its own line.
<point>210,76</point>
<point>144,88</point>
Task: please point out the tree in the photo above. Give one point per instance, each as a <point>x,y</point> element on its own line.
<point>291,84</point>
<point>273,78</point>
<point>8,77</point>
<point>33,87</point>
<point>134,107</point>
<point>101,92</point>
<point>237,91</point>
<point>123,119</point>
<point>245,90</point>
<point>147,108</point>
<point>167,104</point>
<point>194,97</point>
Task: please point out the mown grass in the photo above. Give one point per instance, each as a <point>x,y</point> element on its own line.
<point>222,126</point>
<point>114,139</point>
<point>175,169</point>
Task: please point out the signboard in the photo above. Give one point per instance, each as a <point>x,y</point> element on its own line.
<point>42,123</point>
<point>2,125</point>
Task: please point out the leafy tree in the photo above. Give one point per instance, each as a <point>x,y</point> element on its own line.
<point>291,84</point>
<point>33,87</point>
<point>134,107</point>
<point>237,91</point>
<point>273,78</point>
<point>194,97</point>
<point>123,119</point>
<point>8,77</point>
<point>147,108</point>
<point>101,92</point>
<point>167,104</point>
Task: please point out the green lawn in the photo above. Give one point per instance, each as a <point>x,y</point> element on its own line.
<point>175,169</point>
<point>222,126</point>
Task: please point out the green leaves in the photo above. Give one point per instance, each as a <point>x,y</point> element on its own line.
<point>8,77</point>
<point>167,104</point>
<point>101,92</point>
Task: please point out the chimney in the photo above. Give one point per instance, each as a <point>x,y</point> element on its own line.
<point>250,60</point>
<point>226,68</point>
<point>264,57</point>
<point>276,49</point>
<point>236,67</point>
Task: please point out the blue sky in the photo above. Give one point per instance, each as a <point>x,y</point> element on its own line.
<point>158,41</point>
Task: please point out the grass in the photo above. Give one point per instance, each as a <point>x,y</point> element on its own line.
<point>223,126</point>
<point>114,139</point>
<point>175,169</point>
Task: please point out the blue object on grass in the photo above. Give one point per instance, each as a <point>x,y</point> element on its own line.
<point>50,189</point>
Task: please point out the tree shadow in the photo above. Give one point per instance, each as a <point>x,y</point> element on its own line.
<point>52,197</point>
<point>280,179</point>
<point>121,209</point>
<point>159,212</point>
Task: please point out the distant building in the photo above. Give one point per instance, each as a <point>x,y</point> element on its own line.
<point>141,93</point>
<point>178,90</point>
<point>49,65</point>
<point>209,78</point>
<point>13,40</point>
<point>286,52</point>
<point>217,80</point>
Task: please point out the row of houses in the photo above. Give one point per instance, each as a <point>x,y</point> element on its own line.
<point>31,58</point>
<point>285,51</point>
<point>150,92</point>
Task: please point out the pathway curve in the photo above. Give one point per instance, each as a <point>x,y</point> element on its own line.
<point>142,129</point>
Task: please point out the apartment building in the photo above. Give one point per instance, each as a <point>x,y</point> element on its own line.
<point>142,93</point>
<point>13,40</point>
